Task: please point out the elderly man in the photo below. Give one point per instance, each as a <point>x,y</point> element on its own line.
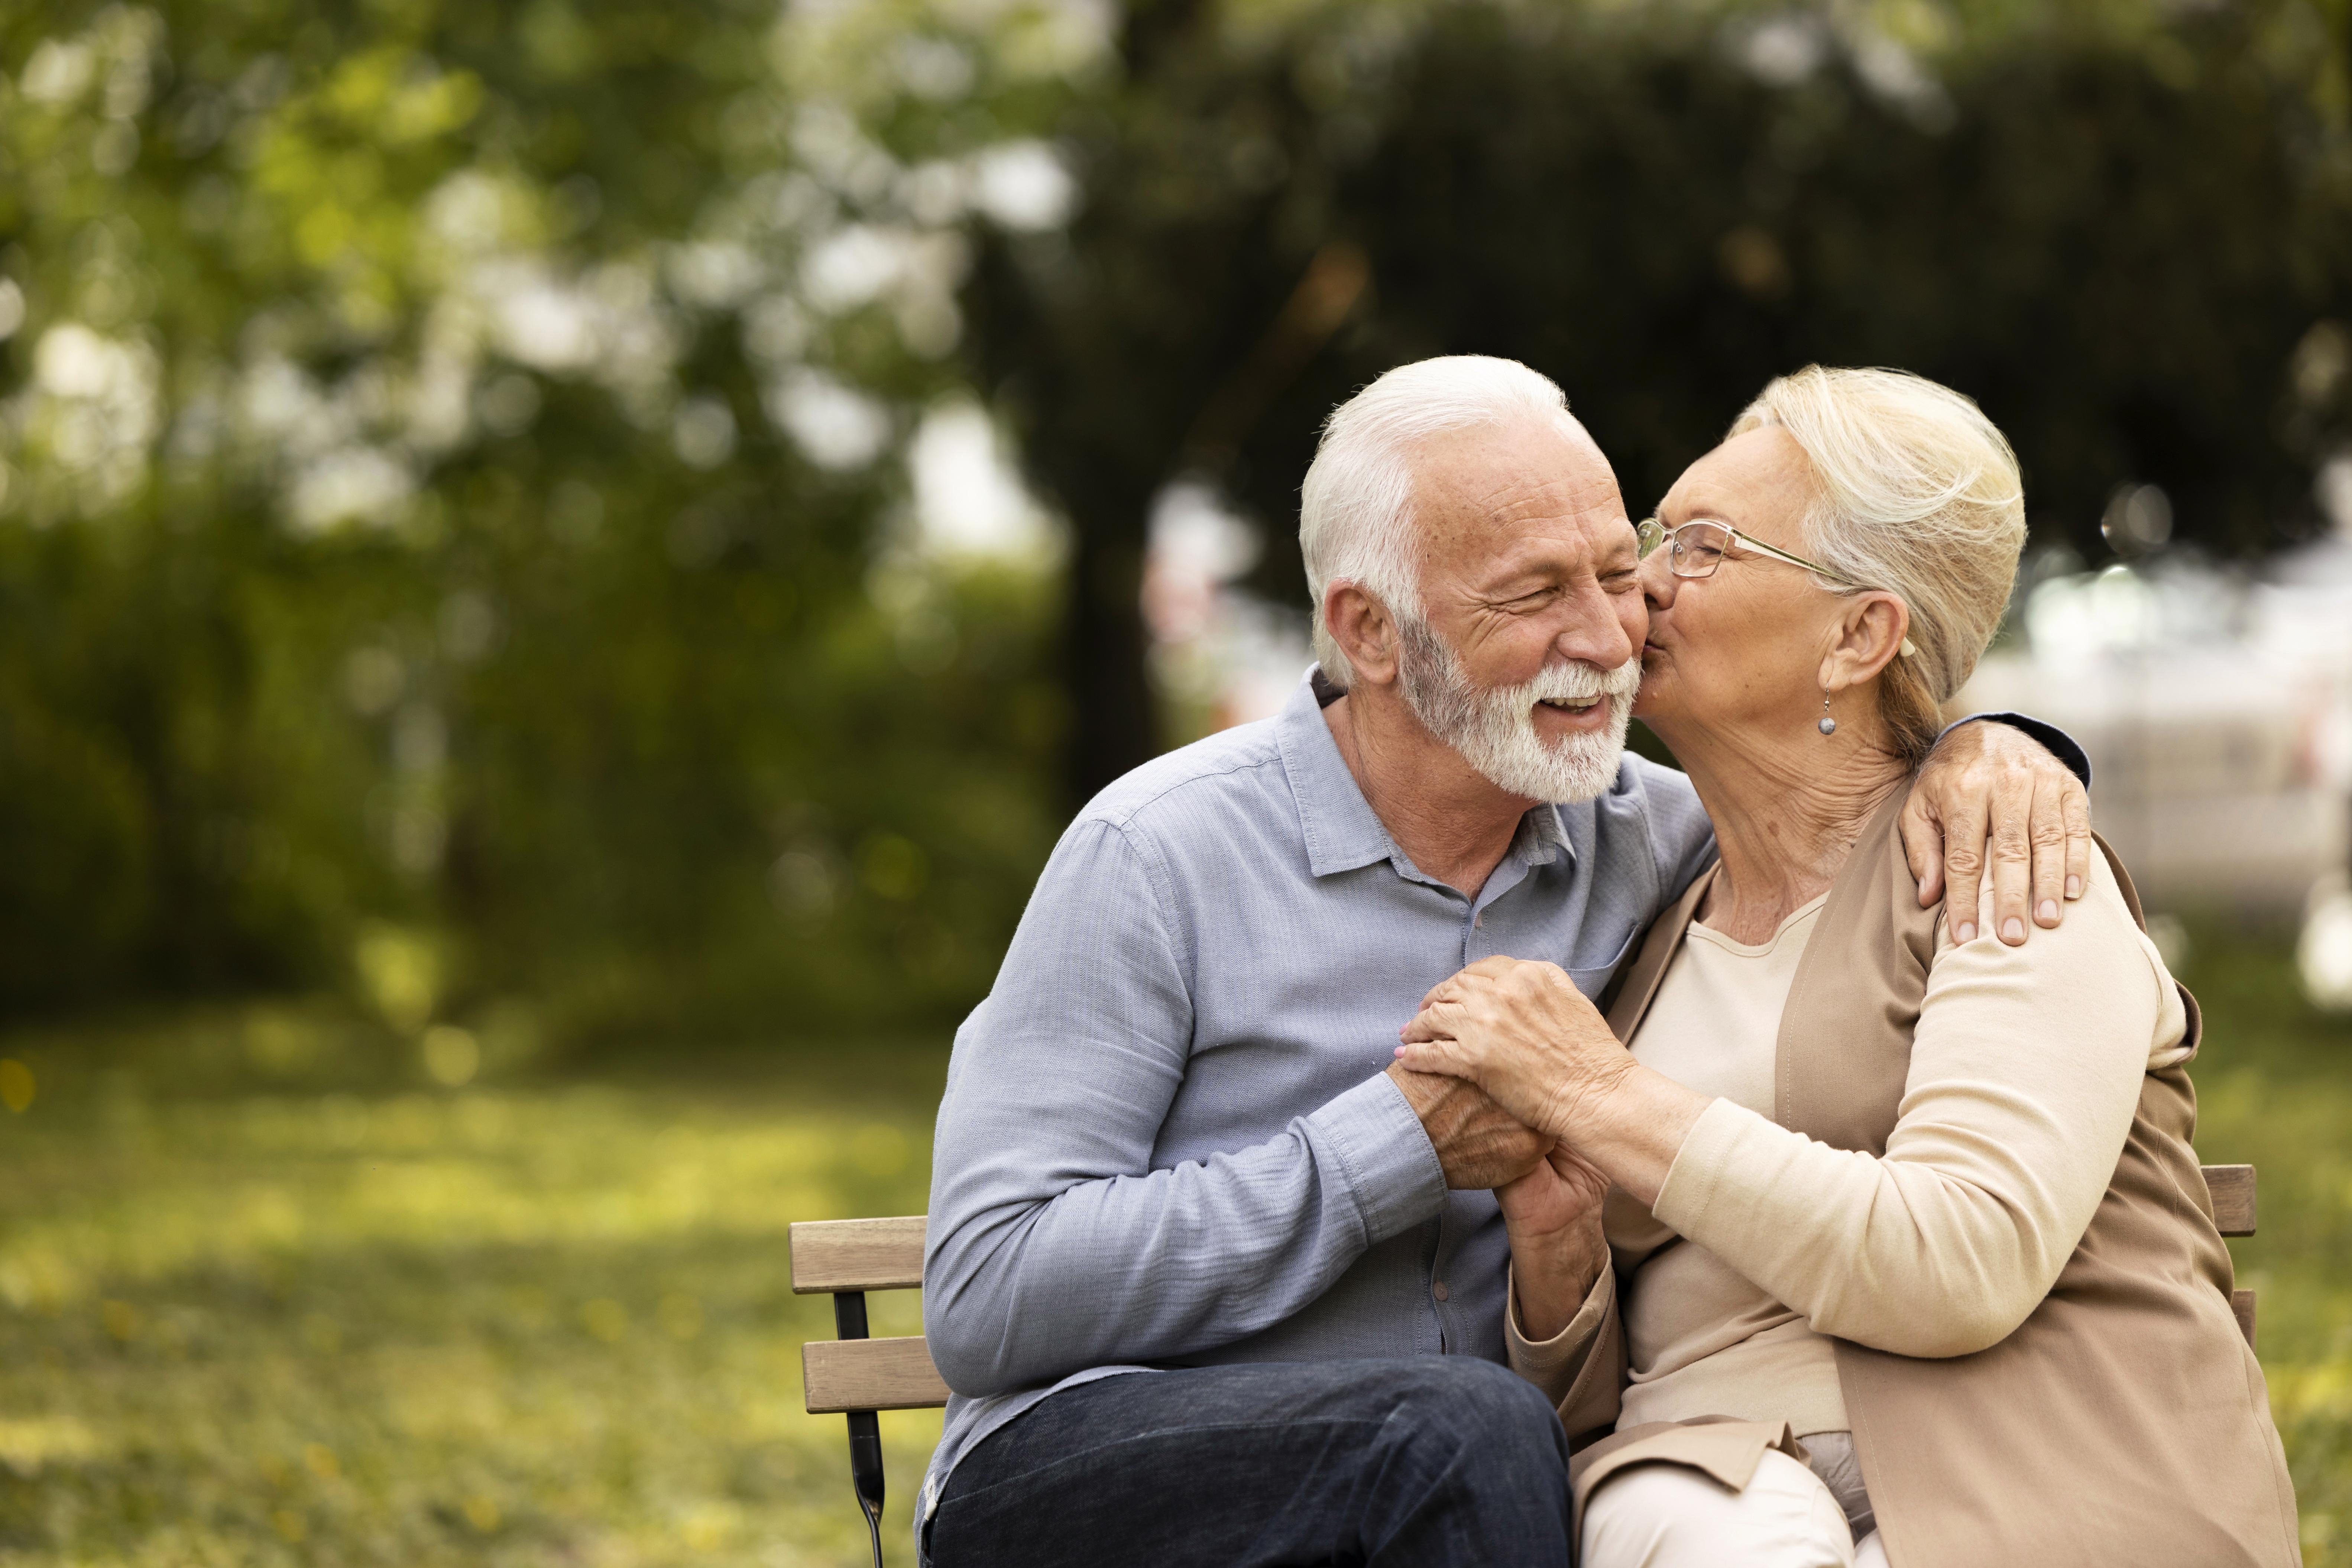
<point>1214,1283</point>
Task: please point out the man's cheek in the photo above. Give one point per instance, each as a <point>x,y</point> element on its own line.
<point>1634,617</point>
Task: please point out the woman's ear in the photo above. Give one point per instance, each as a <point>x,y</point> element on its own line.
<point>1868,635</point>
<point>1364,630</point>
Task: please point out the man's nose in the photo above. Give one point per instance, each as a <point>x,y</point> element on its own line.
<point>1594,632</point>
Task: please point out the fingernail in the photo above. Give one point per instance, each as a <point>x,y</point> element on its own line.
<point>2073,886</point>
<point>1400,1050</point>
<point>2013,929</point>
<point>1965,931</point>
<point>2049,910</point>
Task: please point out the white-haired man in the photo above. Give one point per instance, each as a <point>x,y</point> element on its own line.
<point>1214,1282</point>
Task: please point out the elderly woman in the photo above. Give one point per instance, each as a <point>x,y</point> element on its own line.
<point>1903,1240</point>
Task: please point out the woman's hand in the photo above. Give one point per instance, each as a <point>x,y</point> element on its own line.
<point>1522,1032</point>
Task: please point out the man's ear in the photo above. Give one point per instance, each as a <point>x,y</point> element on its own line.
<point>1364,630</point>
<point>1868,635</point>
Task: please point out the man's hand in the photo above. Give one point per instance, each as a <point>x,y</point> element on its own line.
<point>1989,780</point>
<point>1476,1141</point>
<point>1523,1033</point>
<point>1553,1218</point>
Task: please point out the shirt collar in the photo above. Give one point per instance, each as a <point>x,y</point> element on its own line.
<point>1341,829</point>
<point>1543,839</point>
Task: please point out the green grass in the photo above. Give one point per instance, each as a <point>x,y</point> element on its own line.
<point>265,1296</point>
<point>2274,1090</point>
<point>522,1324</point>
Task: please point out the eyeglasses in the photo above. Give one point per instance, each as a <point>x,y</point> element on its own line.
<point>1700,547</point>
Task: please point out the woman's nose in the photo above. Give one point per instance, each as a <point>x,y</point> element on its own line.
<point>1659,583</point>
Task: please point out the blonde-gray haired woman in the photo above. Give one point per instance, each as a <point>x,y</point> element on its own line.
<point>1904,1256</point>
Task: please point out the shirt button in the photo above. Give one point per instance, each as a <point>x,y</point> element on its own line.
<point>1478,922</point>
<point>1440,1290</point>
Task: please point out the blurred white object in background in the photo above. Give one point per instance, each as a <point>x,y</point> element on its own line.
<point>1217,649</point>
<point>2216,709</point>
<point>2325,953</point>
<point>2171,938</point>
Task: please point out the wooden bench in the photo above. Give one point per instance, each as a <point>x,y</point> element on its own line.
<point>856,1376</point>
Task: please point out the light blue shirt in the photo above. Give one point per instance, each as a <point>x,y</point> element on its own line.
<point>1166,1140</point>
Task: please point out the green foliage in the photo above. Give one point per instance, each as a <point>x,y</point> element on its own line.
<point>2126,230</point>
<point>409,510</point>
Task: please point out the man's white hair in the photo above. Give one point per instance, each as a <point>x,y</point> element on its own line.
<point>1355,512</point>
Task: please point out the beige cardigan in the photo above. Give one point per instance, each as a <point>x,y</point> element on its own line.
<point>2125,1421</point>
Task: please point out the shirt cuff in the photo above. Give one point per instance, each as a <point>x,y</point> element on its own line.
<point>2061,745</point>
<point>1385,1156</point>
<point>1540,1360</point>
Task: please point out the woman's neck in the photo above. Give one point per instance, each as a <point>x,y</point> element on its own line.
<point>1786,815</point>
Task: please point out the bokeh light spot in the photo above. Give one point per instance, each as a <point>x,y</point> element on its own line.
<point>16,1086</point>
<point>451,1055</point>
<point>681,1315</point>
<point>606,1318</point>
<point>119,1319</point>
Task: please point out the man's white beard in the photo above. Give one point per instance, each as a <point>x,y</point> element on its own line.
<point>1495,730</point>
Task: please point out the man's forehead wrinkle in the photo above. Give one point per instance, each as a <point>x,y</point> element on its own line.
<point>1510,489</point>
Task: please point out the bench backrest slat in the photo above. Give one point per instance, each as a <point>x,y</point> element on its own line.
<point>857,1254</point>
<point>2232,1187</point>
<point>869,1374</point>
<point>897,1374</point>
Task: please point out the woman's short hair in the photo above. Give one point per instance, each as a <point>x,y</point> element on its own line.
<point>1919,495</point>
<point>1355,511</point>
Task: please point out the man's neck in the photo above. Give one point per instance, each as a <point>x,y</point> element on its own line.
<point>1786,815</point>
<point>1452,822</point>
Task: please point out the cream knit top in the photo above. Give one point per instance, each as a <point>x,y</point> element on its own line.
<point>2025,1070</point>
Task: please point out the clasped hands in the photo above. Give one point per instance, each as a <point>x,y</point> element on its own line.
<point>1523,1058</point>
<point>1522,1087</point>
<point>1507,1064</point>
<point>1515,1077</point>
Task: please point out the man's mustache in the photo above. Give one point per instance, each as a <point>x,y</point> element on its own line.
<point>1576,681</point>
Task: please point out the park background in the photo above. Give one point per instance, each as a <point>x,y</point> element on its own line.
<point>562,565</point>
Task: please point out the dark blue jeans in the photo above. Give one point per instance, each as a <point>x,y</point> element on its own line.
<point>1426,1461</point>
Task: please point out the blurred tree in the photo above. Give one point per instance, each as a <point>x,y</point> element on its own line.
<point>445,479</point>
<point>2124,230</point>
<point>450,482</point>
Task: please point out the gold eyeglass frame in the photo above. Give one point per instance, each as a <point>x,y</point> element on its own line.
<point>1651,534</point>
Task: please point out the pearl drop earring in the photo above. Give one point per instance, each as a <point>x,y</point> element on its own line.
<point>1828,726</point>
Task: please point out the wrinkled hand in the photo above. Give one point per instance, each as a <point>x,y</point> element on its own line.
<point>1478,1144</point>
<point>1558,1249</point>
<point>1989,780</point>
<point>1562,1193</point>
<point>1522,1032</point>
